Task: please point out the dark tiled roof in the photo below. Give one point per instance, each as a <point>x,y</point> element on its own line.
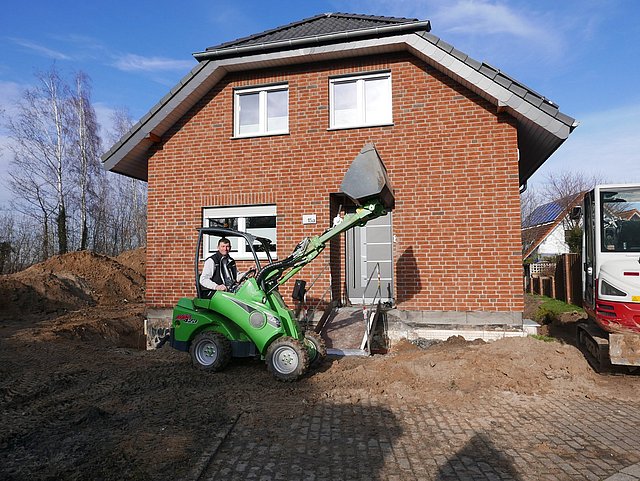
<point>501,78</point>
<point>323,24</point>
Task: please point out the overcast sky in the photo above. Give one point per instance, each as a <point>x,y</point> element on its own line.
<point>581,54</point>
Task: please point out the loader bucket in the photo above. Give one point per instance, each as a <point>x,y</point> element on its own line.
<point>367,179</point>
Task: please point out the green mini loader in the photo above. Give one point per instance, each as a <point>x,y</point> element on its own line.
<point>251,319</point>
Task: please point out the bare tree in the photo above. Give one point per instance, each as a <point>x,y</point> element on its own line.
<point>568,182</point>
<point>33,200</point>
<point>86,148</point>
<point>40,136</point>
<point>529,200</point>
<point>18,242</point>
<point>57,180</point>
<point>130,218</point>
<point>567,187</point>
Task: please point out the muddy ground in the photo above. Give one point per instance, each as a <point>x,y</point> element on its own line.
<point>79,400</point>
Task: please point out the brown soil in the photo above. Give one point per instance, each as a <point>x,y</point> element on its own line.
<point>79,401</point>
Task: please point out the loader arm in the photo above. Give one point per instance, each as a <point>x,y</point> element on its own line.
<point>273,275</point>
<point>367,184</point>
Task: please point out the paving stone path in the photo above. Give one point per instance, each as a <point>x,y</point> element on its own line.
<point>511,438</point>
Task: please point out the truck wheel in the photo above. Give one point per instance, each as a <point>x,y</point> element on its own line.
<point>210,351</point>
<point>316,348</point>
<point>287,359</point>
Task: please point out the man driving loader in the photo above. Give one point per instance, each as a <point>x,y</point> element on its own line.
<point>220,272</point>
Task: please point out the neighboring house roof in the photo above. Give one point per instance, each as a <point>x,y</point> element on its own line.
<point>544,219</point>
<point>632,214</point>
<point>542,128</point>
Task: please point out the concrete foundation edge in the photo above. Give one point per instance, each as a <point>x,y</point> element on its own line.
<point>488,326</point>
<point>411,325</point>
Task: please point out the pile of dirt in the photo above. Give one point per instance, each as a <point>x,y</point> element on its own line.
<point>73,281</point>
<point>81,296</point>
<point>457,370</point>
<point>135,259</point>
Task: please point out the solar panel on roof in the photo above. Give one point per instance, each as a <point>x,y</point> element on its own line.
<point>544,214</point>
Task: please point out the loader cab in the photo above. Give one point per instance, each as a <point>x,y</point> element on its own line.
<point>209,236</point>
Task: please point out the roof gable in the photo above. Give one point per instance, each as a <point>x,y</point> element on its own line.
<point>542,128</point>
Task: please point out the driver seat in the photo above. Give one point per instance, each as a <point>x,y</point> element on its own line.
<point>201,291</point>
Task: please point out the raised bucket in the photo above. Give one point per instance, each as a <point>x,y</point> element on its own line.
<point>367,179</point>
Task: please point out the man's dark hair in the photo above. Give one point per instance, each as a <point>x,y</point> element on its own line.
<point>224,240</point>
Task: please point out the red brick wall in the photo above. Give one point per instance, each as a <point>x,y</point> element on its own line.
<point>451,158</point>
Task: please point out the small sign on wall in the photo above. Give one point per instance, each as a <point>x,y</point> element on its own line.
<point>309,219</point>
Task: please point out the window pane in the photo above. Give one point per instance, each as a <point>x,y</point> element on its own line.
<point>345,103</point>
<point>249,107</point>
<point>620,220</point>
<point>277,110</point>
<point>377,101</point>
<point>261,222</point>
<point>264,226</point>
<point>228,223</point>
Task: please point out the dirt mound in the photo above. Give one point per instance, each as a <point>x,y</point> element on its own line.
<point>453,371</point>
<point>73,281</point>
<point>135,259</point>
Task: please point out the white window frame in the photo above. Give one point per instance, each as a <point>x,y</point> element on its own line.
<point>262,110</point>
<point>241,213</point>
<point>360,81</point>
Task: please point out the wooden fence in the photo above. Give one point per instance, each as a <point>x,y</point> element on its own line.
<point>561,280</point>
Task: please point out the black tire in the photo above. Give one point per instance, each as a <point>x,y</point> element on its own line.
<point>287,359</point>
<point>210,351</point>
<point>319,350</point>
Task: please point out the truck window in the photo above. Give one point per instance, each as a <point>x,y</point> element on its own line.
<point>620,220</point>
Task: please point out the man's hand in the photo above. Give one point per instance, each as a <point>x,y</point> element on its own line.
<point>221,287</point>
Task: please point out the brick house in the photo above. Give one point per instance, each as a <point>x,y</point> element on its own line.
<point>281,114</point>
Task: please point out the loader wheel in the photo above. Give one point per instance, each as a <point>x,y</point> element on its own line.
<point>210,351</point>
<point>316,348</point>
<point>287,359</point>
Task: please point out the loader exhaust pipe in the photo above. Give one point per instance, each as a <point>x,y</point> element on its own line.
<point>367,179</point>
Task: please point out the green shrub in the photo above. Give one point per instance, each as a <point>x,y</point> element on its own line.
<point>545,315</point>
<point>542,338</point>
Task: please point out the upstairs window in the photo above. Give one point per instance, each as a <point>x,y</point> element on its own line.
<point>261,111</point>
<point>360,101</point>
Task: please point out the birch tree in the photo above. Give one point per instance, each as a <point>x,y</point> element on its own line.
<point>57,182</point>
<point>86,147</point>
<point>40,141</point>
